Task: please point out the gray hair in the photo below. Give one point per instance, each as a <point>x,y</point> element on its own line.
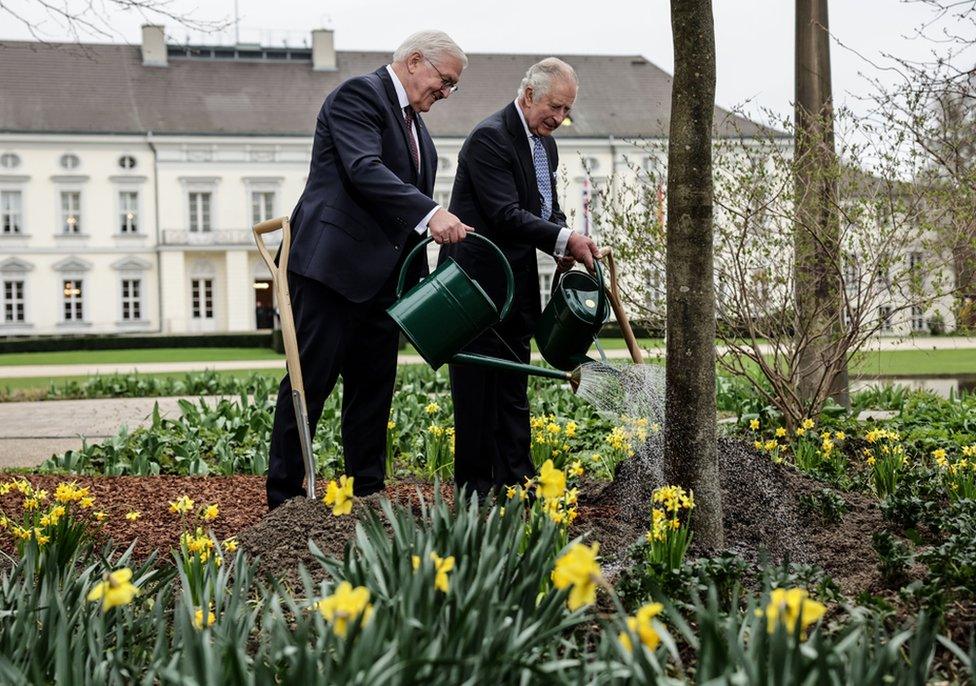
<point>540,76</point>
<point>432,44</point>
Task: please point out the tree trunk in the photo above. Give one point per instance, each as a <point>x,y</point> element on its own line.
<point>689,450</point>
<point>819,301</point>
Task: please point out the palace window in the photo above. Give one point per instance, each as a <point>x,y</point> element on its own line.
<point>13,301</point>
<point>73,300</point>
<point>131,300</point>
<point>200,210</point>
<point>70,212</point>
<point>128,212</point>
<point>201,298</point>
<point>11,218</point>
<point>262,206</point>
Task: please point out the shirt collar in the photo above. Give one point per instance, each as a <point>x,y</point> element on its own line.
<point>400,90</point>
<point>528,134</point>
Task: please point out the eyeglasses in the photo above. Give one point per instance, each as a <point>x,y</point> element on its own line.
<point>445,82</point>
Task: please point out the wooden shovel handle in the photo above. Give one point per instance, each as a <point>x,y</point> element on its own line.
<point>606,254</point>
<point>279,274</point>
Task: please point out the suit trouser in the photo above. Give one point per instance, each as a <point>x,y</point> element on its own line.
<point>357,341</point>
<point>491,418</point>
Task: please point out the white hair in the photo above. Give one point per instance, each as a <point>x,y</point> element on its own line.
<point>432,44</point>
<point>541,75</point>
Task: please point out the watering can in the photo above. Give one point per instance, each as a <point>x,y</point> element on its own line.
<point>448,309</point>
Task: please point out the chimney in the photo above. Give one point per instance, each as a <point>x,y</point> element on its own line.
<point>153,46</point>
<point>323,50</point>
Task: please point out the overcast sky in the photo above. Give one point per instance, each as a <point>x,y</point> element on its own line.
<point>754,38</point>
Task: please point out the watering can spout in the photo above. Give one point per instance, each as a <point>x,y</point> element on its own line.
<point>506,365</point>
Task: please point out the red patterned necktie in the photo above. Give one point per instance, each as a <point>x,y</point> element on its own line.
<point>414,153</point>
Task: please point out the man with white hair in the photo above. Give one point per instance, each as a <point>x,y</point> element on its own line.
<point>505,186</point>
<point>367,202</point>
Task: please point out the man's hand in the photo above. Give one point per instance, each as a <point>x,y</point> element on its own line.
<point>447,228</point>
<point>565,263</point>
<point>582,248</point>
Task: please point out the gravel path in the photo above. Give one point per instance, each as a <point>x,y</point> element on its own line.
<point>31,432</point>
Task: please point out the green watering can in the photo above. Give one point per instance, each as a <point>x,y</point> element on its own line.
<point>448,309</point>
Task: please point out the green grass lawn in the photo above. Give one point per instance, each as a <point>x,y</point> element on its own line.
<point>138,355</point>
<point>916,363</point>
<point>203,354</point>
<point>886,363</point>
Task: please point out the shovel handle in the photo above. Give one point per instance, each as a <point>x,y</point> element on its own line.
<point>618,310</point>
<point>279,274</point>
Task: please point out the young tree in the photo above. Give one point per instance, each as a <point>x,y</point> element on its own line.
<point>689,434</point>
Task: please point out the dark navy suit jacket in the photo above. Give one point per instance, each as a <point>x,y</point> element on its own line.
<point>364,196</point>
<point>496,192</point>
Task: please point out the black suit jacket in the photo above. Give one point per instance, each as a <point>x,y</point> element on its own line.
<point>363,198</point>
<point>496,192</point>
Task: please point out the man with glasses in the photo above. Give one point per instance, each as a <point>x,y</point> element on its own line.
<point>367,202</point>
<point>506,186</point>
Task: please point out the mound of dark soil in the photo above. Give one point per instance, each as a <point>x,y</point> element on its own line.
<point>280,539</point>
<point>762,505</point>
<point>763,514</point>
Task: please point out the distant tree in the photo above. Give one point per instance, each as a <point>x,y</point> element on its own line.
<point>95,18</point>
<point>818,300</point>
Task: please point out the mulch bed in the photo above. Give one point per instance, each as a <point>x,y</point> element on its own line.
<point>763,516</point>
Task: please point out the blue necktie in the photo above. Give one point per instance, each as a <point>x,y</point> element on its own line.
<point>542,176</point>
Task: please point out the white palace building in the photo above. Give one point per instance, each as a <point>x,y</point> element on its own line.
<point>130,175</point>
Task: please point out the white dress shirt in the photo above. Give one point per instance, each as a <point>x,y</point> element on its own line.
<point>404,101</point>
<point>564,233</point>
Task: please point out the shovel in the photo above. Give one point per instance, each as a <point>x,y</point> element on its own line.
<point>279,275</point>
<point>606,254</point>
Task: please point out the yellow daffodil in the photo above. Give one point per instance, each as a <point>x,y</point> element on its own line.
<point>390,425</point>
<point>641,625</point>
<point>840,435</point>
<point>230,545</point>
<point>198,618</point>
<point>780,431</point>
<point>70,492</point>
<point>133,515</point>
<point>338,495</point>
<point>115,589</point>
<point>99,516</point>
<point>754,425</point>
<point>442,567</point>
<point>576,469</point>
<point>552,481</point>
<point>940,457</point>
<point>210,513</point>
<point>578,570</point>
<point>432,408</point>
<point>807,424</point>
<point>789,606</point>
<point>181,505</point>
<point>345,606</point>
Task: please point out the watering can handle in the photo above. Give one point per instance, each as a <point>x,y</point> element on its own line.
<point>509,277</point>
<point>601,298</point>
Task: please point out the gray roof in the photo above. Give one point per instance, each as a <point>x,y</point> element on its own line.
<point>62,88</point>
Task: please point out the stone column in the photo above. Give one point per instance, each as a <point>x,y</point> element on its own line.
<point>174,286</point>
<point>240,292</point>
